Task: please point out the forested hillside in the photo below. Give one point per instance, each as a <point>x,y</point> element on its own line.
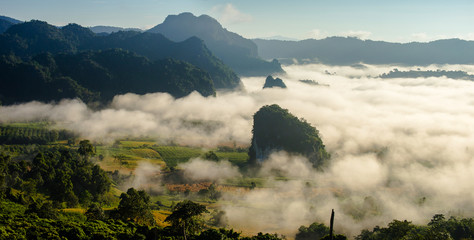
<point>26,40</point>
<point>96,76</point>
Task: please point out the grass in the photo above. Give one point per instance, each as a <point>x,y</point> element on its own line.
<point>236,158</point>
<point>173,155</point>
<point>160,217</point>
<point>136,144</point>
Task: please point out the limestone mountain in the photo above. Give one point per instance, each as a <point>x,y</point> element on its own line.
<point>234,50</point>
<point>275,129</point>
<point>271,82</point>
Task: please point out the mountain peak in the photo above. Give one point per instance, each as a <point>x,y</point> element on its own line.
<point>234,50</point>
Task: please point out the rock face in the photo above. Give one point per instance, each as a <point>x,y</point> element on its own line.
<point>275,129</point>
<point>271,82</point>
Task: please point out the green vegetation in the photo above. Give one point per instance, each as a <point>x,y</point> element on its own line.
<point>26,134</point>
<point>186,217</point>
<point>437,228</point>
<point>148,57</point>
<point>276,129</point>
<point>96,76</point>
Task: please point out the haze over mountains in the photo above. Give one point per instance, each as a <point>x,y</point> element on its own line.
<point>349,50</point>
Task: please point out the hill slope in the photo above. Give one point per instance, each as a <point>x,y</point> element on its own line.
<point>234,50</point>
<point>96,76</point>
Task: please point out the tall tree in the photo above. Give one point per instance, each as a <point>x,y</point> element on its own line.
<point>135,205</point>
<point>85,148</point>
<point>185,216</point>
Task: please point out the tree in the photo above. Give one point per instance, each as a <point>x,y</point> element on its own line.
<point>314,231</point>
<point>211,156</point>
<point>135,205</point>
<point>4,160</point>
<point>95,212</point>
<point>85,148</point>
<point>185,216</point>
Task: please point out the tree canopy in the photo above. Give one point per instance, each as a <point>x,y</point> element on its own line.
<point>185,216</point>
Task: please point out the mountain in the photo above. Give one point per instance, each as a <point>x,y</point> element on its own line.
<point>31,38</point>
<point>156,46</point>
<point>234,50</point>
<point>96,76</point>
<point>275,129</point>
<point>34,37</point>
<point>7,22</point>
<point>9,19</point>
<point>110,29</point>
<point>4,25</point>
<point>348,50</point>
<point>271,82</point>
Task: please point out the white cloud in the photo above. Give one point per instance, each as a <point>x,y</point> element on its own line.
<point>229,14</point>
<point>315,33</point>
<point>204,170</point>
<point>357,34</point>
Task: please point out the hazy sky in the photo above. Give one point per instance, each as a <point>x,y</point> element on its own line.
<point>398,21</point>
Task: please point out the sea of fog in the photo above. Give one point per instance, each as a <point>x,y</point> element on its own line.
<point>401,148</point>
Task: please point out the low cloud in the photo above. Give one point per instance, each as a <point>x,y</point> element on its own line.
<point>147,176</point>
<point>401,148</point>
<point>203,170</point>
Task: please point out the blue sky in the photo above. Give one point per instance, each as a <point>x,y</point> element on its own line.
<point>396,21</point>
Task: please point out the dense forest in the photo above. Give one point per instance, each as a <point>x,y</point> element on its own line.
<point>96,76</point>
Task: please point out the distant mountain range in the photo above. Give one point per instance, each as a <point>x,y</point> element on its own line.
<point>239,53</point>
<point>110,29</point>
<point>348,50</point>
